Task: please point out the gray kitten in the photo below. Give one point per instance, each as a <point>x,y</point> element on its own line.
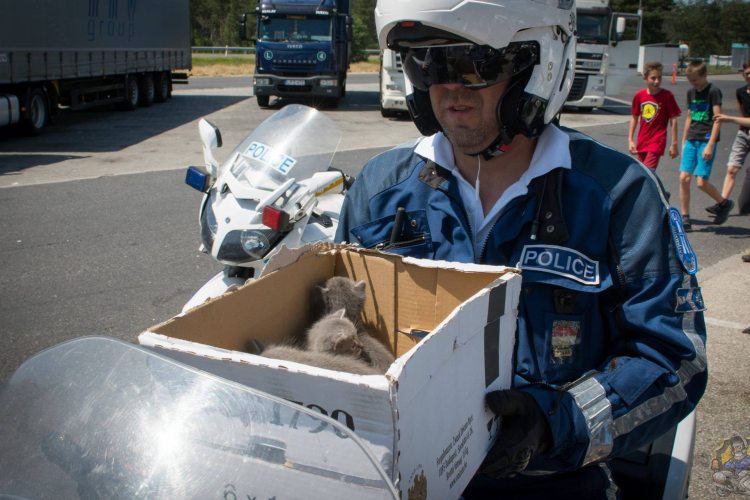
<point>320,359</point>
<point>339,292</point>
<point>334,334</point>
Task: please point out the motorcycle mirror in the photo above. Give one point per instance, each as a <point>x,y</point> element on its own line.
<point>210,134</point>
<point>211,138</point>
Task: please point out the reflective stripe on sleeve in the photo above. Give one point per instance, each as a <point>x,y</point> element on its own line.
<point>591,399</point>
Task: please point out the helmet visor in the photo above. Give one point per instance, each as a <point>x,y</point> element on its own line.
<point>473,66</point>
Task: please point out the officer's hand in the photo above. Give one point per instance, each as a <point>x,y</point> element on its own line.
<point>524,433</point>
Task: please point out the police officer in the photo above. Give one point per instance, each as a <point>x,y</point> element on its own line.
<point>610,349</point>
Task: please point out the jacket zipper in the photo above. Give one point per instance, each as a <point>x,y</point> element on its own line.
<point>620,273</point>
<point>502,213</point>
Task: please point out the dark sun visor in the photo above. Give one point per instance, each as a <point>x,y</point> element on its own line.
<point>431,56</point>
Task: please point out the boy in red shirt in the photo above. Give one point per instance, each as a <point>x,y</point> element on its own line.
<point>656,107</point>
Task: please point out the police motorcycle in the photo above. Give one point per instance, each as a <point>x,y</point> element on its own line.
<point>274,189</point>
<point>99,418</point>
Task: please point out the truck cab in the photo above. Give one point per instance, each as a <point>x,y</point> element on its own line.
<point>608,45</point>
<point>302,49</point>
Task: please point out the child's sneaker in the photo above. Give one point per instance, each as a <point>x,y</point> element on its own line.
<point>713,209</point>
<point>725,208</point>
<point>686,225</point>
<point>746,256</point>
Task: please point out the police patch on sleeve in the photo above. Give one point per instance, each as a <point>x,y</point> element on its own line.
<point>682,245</point>
<point>561,261</point>
<point>689,300</point>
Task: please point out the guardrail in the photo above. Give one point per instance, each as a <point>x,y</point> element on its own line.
<point>226,50</point>
<point>248,50</point>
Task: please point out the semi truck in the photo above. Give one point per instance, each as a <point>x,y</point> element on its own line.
<point>607,53</point>
<point>392,84</point>
<point>83,53</point>
<point>302,49</point>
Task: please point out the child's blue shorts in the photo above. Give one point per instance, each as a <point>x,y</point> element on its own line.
<point>692,159</point>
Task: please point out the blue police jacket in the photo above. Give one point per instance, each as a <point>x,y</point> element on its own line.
<point>610,334</point>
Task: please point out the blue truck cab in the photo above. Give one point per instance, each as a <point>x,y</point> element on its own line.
<point>302,49</point>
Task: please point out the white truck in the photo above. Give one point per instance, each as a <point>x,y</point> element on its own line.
<point>607,55</point>
<point>392,86</point>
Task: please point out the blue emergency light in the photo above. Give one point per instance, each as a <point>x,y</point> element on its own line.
<point>198,178</point>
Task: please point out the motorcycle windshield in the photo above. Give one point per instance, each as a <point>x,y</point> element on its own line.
<point>296,142</point>
<point>96,417</point>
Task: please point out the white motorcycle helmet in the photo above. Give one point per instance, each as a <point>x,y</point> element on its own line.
<point>478,43</point>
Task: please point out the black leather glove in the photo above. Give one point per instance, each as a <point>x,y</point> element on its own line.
<point>524,433</point>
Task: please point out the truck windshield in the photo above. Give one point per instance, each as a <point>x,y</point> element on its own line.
<point>274,29</point>
<point>593,28</point>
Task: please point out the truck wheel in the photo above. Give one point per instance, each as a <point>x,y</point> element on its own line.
<point>148,89</point>
<point>343,87</point>
<point>37,112</point>
<point>263,100</point>
<point>161,84</point>
<point>132,94</point>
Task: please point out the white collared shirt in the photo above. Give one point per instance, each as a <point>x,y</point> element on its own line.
<point>551,152</point>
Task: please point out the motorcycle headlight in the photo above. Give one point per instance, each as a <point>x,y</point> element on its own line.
<point>255,243</point>
<point>209,226</point>
<point>246,245</point>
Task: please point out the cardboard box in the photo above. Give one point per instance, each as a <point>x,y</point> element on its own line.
<point>451,326</point>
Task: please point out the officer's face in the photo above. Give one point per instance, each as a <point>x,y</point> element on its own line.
<point>467,116</point>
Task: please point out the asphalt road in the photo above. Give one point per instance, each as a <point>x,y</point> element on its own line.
<point>100,234</point>
<point>87,250</point>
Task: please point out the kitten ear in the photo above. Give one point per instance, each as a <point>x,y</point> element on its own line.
<point>321,290</point>
<point>360,287</point>
<point>259,346</point>
<point>340,314</point>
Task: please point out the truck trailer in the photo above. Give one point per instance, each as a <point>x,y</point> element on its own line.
<point>302,49</point>
<point>84,53</point>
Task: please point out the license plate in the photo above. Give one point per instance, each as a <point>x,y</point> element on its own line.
<point>294,82</point>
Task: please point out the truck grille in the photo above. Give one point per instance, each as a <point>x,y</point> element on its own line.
<point>297,66</point>
<point>295,88</point>
<point>579,87</point>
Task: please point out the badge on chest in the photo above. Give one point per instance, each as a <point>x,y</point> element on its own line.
<point>561,261</point>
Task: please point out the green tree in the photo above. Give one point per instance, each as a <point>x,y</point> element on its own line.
<point>363,12</point>
<point>360,42</point>
<point>709,26</point>
<point>216,22</point>
<point>655,13</point>
<point>696,23</point>
<point>732,24</point>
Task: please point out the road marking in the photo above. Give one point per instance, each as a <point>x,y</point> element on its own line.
<point>725,324</point>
